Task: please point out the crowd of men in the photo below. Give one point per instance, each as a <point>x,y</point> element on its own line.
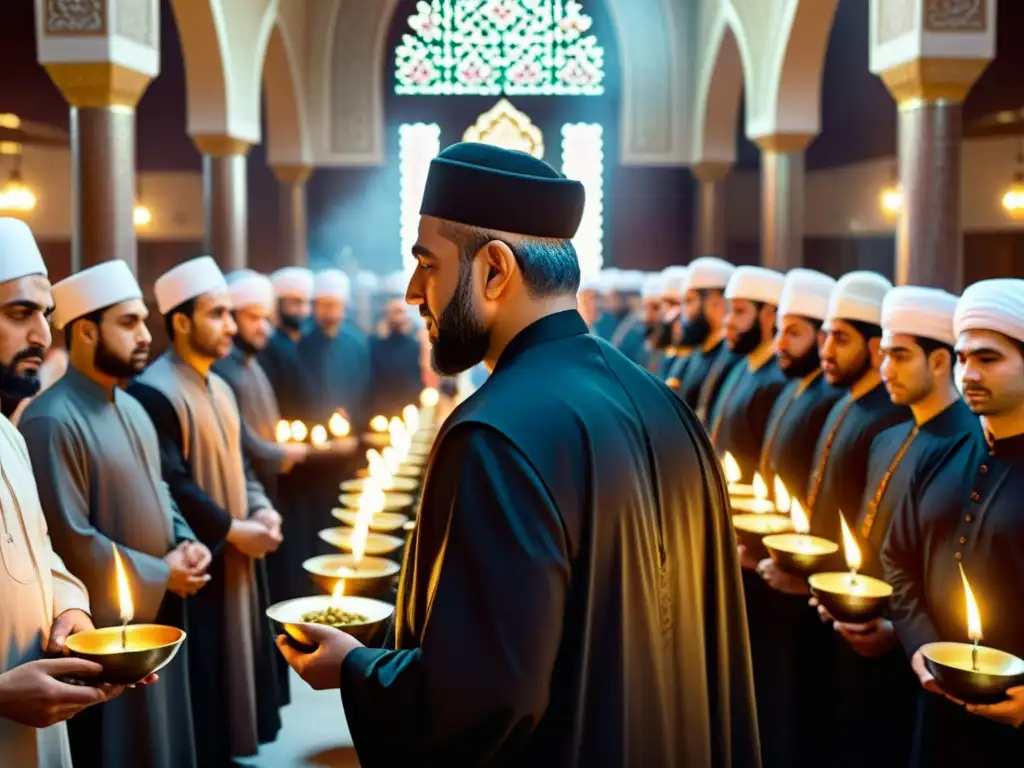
<point>901,409</point>
<point>176,462</point>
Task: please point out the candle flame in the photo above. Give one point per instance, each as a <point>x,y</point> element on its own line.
<point>283,431</point>
<point>371,502</point>
<point>973,615</point>
<point>783,501</point>
<point>339,425</point>
<point>124,592</point>
<point>380,473</point>
<point>429,397</point>
<point>299,430</point>
<point>760,489</point>
<point>411,417</point>
<point>800,522</point>
<point>337,594</point>
<point>732,469</point>
<point>379,423</point>
<point>318,436</point>
<point>850,548</point>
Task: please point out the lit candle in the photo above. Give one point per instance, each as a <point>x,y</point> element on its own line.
<point>339,426</point>
<point>973,619</point>
<point>318,436</point>
<point>758,518</point>
<point>392,461</point>
<point>371,503</point>
<point>732,469</point>
<point>124,596</point>
<point>379,424</point>
<point>411,417</point>
<point>759,503</point>
<point>850,597</point>
<point>430,397</point>
<point>783,501</point>
<point>379,472</point>
<point>283,431</point>
<point>299,431</point>
<point>799,552</point>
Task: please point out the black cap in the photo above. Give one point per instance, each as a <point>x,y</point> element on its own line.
<point>493,188</point>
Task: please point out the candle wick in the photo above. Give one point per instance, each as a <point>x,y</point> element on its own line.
<point>974,657</point>
<point>124,635</point>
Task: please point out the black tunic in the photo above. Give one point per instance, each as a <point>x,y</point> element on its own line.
<point>289,376</point>
<point>962,506</point>
<point>793,429</point>
<point>698,367</point>
<point>572,601</point>
<point>711,388</point>
<point>395,373</point>
<point>880,695</point>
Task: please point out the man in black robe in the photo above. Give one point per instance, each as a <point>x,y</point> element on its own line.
<point>631,334</point>
<point>879,691</point>
<point>571,595</point>
<point>962,510</point>
<point>612,303</point>
<point>673,361</point>
<point>704,308</point>
<point>395,362</point>
<point>851,355</point>
<point>280,359</point>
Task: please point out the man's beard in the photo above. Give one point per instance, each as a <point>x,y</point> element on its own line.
<point>854,375</point>
<point>18,386</point>
<point>696,331</point>
<point>242,345</point>
<point>804,365</point>
<point>662,335</point>
<point>203,349</point>
<point>461,340</point>
<point>291,322</point>
<point>748,340</point>
<point>108,363</point>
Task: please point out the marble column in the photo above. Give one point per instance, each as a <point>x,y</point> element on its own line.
<point>102,97</point>
<point>711,231</point>
<point>225,199</point>
<point>292,194</point>
<point>782,199</point>
<point>929,233</point>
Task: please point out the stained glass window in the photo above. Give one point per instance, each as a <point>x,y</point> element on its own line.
<point>583,160</point>
<point>418,144</point>
<point>483,47</point>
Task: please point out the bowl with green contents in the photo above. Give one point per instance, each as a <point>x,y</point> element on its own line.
<point>364,618</point>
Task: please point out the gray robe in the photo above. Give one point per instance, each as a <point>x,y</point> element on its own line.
<point>203,463</point>
<point>97,467</point>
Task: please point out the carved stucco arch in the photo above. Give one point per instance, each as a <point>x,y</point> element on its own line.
<point>287,120</point>
<point>720,88</point>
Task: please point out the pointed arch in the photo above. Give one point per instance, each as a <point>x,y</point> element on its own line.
<point>719,92</point>
<point>287,122</point>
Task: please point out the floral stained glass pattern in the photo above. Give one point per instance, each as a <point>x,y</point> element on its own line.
<point>538,47</point>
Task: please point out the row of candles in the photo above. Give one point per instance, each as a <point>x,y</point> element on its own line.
<point>780,527</point>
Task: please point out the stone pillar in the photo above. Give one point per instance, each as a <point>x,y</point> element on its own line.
<point>929,58</point>
<point>292,192</point>
<point>225,199</point>
<point>101,56</point>
<point>782,199</point>
<point>711,230</point>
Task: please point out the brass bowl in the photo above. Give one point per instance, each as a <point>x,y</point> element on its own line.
<point>415,460</point>
<point>400,484</point>
<point>404,470</point>
<point>752,528</point>
<point>951,666</point>
<point>377,440</point>
<point>797,560</point>
<point>394,501</point>
<point>850,599</point>
<point>373,576</point>
<point>420,450</point>
<point>376,543</point>
<point>751,505</point>
<point>383,522</point>
<point>287,617</point>
<point>150,647</point>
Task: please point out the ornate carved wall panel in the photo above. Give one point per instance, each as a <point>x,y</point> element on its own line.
<point>72,18</point>
<point>956,15</point>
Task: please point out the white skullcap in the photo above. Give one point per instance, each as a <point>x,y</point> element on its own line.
<point>630,281</point>
<point>591,282</point>
<point>609,280</point>
<point>332,284</point>
<point>397,283</point>
<point>103,285</point>
<point>19,252</point>
<point>654,286</point>
<point>709,272</point>
<point>916,311</point>
<point>187,281</point>
<point>292,283</point>
<point>806,293</point>
<point>858,297</point>
<point>755,284</point>
<point>674,282</point>
<point>249,288</point>
<point>366,282</point>
<point>992,305</point>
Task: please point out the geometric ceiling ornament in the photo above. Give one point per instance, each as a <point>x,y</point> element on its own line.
<point>505,126</point>
<point>489,47</point>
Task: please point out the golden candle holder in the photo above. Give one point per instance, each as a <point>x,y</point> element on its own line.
<point>287,617</point>
<point>376,543</point>
<point>414,471</point>
<point>393,501</point>
<point>377,439</point>
<point>851,598</point>
<point>799,553</point>
<point>401,484</point>
<point>382,522</point>
<point>367,577</point>
<point>973,673</point>
<point>130,653</point>
<point>752,505</point>
<point>752,528</point>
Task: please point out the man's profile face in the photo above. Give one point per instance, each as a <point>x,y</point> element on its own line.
<point>25,336</point>
<point>123,340</point>
<point>740,318</point>
<point>905,371</point>
<point>797,338</point>
<point>845,355</point>
<point>253,324</point>
<point>212,326</point>
<point>329,313</point>
<point>443,289</point>
<point>292,311</point>
<point>990,369</point>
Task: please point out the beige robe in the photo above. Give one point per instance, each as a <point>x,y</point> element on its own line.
<point>35,588</point>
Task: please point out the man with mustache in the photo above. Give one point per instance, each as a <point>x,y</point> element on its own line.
<point>653,348</point>
<point>673,363</point>
<point>553,608</point>
<point>41,603</point>
<point>285,367</point>
<point>97,466</point>
<point>200,435</point>
<point>851,356</point>
<point>962,510</point>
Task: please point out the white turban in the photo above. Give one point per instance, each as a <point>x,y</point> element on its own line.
<point>293,283</point>
<point>609,280</point>
<point>654,286</point>
<point>249,288</point>
<point>366,282</point>
<point>755,284</point>
<point>19,252</point>
<point>630,281</point>
<point>187,281</point>
<point>926,312</point>
<point>709,272</point>
<point>332,284</point>
<point>858,297</point>
<point>592,283</point>
<point>806,293</point>
<point>103,285</point>
<point>397,284</point>
<point>992,305</point>
<point>674,279</point>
